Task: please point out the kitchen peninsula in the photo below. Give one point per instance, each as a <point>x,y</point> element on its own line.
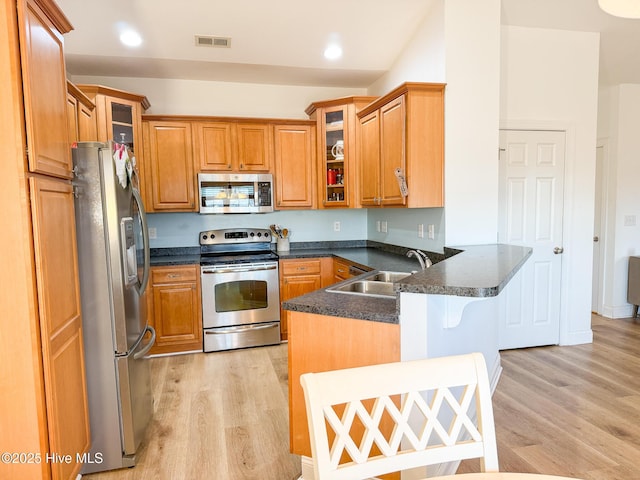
<point>449,308</point>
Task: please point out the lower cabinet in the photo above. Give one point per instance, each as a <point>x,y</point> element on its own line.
<point>60,320</point>
<point>341,270</point>
<point>174,308</point>
<point>297,277</point>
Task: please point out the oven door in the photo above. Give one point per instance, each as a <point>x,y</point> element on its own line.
<point>240,294</point>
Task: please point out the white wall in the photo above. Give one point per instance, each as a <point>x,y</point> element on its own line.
<point>549,80</point>
<point>459,44</point>
<point>422,59</point>
<point>472,34</point>
<point>619,124</point>
<point>197,97</point>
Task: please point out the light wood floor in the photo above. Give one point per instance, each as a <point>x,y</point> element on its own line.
<point>571,411</point>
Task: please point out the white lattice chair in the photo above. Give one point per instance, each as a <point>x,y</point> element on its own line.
<point>433,424</point>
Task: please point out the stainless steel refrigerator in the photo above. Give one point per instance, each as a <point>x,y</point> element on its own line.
<point>113,255</point>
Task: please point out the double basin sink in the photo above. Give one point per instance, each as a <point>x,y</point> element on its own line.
<point>377,284</point>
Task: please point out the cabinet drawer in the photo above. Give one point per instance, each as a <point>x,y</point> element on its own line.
<point>341,269</point>
<point>300,267</point>
<point>161,275</point>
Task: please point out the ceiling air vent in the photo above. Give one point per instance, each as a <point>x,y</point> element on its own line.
<point>210,41</point>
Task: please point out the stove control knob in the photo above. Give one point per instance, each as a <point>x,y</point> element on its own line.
<point>266,234</point>
<point>251,234</point>
<point>259,234</point>
<point>204,237</point>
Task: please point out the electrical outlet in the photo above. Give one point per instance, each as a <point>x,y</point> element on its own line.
<point>336,226</point>
<point>420,230</point>
<point>383,226</point>
<point>377,225</point>
<point>431,231</point>
<point>153,233</point>
<point>629,220</point>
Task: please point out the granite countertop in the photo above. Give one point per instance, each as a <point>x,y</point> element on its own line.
<point>161,257</point>
<point>367,258</point>
<point>477,271</point>
<point>470,271</point>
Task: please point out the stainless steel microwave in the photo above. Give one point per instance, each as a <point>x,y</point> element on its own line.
<point>235,192</point>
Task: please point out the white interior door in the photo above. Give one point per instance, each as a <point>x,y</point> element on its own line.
<point>596,291</point>
<point>530,214</point>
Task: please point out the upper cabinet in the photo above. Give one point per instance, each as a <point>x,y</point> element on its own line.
<point>401,148</point>
<point>169,171</point>
<point>45,89</point>
<point>336,150</point>
<point>295,165</point>
<point>119,118</point>
<point>231,146</point>
<point>177,148</point>
<point>81,115</point>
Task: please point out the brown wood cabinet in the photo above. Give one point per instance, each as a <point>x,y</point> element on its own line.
<point>295,166</point>
<point>174,308</point>
<point>298,276</point>
<point>60,320</point>
<point>45,87</point>
<point>318,343</point>
<point>337,172</point>
<point>118,117</point>
<point>81,115</point>
<point>170,173</point>
<point>403,132</point>
<point>341,269</point>
<point>226,146</point>
<point>43,398</point>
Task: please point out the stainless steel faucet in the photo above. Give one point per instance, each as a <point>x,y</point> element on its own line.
<point>424,261</point>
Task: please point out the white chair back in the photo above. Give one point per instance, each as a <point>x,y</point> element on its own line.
<point>427,408</point>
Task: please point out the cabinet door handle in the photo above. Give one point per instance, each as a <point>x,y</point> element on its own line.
<point>174,275</point>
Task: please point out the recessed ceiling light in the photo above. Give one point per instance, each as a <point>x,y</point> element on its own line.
<point>333,52</point>
<point>131,38</point>
<point>621,8</point>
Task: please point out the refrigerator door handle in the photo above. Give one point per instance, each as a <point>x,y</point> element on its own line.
<point>145,238</point>
<point>152,341</point>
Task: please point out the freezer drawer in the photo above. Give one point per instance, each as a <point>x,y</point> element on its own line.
<point>253,335</point>
<point>136,399</point>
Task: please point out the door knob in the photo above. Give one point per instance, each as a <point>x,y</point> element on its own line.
<point>596,239</point>
<point>558,250</point>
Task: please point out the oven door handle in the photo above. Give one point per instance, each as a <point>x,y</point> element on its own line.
<point>239,329</point>
<point>253,268</point>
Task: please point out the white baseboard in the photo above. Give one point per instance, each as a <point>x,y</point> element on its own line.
<point>617,311</point>
<point>577,338</point>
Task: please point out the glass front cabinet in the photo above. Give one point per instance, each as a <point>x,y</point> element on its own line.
<point>337,163</point>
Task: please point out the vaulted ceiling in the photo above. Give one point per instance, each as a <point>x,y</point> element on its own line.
<point>282,41</point>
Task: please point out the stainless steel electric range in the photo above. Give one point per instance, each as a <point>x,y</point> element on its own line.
<point>240,292</point>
